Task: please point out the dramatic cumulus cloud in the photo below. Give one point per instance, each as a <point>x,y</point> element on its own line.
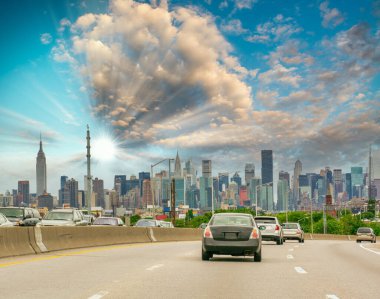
<point>331,17</point>
<point>167,78</point>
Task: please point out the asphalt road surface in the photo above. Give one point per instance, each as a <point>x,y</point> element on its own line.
<point>315,269</point>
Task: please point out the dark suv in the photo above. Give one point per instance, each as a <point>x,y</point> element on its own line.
<point>21,216</point>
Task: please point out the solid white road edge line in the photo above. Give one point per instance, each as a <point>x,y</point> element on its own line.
<point>289,257</point>
<point>99,295</point>
<point>331,296</point>
<point>154,267</point>
<point>300,270</point>
<point>373,251</point>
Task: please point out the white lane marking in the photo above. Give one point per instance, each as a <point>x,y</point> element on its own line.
<point>154,267</point>
<point>291,249</point>
<point>99,295</point>
<point>289,257</point>
<point>300,270</point>
<point>302,244</point>
<point>331,296</point>
<point>373,251</point>
<point>296,246</point>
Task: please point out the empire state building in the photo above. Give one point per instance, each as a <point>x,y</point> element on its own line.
<point>41,171</point>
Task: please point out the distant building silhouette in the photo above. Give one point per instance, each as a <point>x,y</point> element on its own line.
<point>206,168</point>
<point>23,195</point>
<point>249,172</point>
<point>267,166</point>
<point>41,171</point>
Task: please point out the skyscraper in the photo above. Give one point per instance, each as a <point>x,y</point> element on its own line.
<point>98,189</point>
<point>206,168</point>
<point>223,181</point>
<point>283,175</point>
<point>41,171</point>
<point>357,178</point>
<point>249,172</point>
<point>267,166</point>
<point>177,167</point>
<point>296,185</point>
<point>70,193</point>
<point>23,193</point>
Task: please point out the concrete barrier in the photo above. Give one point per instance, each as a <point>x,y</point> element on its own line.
<point>31,240</point>
<point>15,241</point>
<point>59,238</point>
<point>162,234</point>
<point>329,237</point>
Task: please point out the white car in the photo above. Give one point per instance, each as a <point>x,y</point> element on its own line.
<point>64,217</point>
<point>270,228</point>
<point>4,222</point>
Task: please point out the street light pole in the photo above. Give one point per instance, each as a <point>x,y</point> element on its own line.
<point>151,180</point>
<point>311,214</point>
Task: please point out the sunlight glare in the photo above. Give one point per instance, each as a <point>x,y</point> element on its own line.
<point>103,149</point>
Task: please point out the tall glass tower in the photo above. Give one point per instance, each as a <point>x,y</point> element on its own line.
<point>267,166</point>
<point>41,171</point>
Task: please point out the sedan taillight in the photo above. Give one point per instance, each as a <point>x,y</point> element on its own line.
<point>277,227</point>
<point>207,233</point>
<point>254,234</point>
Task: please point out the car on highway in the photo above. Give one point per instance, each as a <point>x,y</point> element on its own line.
<point>113,221</point>
<point>271,229</point>
<point>166,224</point>
<point>4,222</point>
<point>293,231</point>
<point>233,234</point>
<point>21,216</point>
<point>365,234</point>
<point>148,223</point>
<point>64,217</point>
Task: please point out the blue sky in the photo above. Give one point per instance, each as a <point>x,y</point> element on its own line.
<point>217,80</point>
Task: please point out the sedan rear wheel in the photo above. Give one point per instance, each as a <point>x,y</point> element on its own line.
<point>257,256</point>
<point>205,255</point>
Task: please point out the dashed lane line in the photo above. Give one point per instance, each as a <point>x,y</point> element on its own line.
<point>154,267</point>
<point>300,270</point>
<point>99,295</point>
<point>289,257</point>
<point>331,296</point>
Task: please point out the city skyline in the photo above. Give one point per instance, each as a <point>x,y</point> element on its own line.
<point>217,81</point>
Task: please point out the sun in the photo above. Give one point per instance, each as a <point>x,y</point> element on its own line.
<point>103,149</point>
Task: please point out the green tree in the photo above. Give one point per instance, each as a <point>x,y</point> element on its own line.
<point>134,219</point>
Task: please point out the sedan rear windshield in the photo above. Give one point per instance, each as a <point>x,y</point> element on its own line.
<point>19,213</point>
<point>364,230</point>
<point>291,226</point>
<point>232,220</point>
<point>265,220</point>
<point>59,216</point>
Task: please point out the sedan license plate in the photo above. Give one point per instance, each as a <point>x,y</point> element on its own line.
<point>230,236</point>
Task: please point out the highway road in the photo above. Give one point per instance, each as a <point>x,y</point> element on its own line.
<point>315,269</point>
